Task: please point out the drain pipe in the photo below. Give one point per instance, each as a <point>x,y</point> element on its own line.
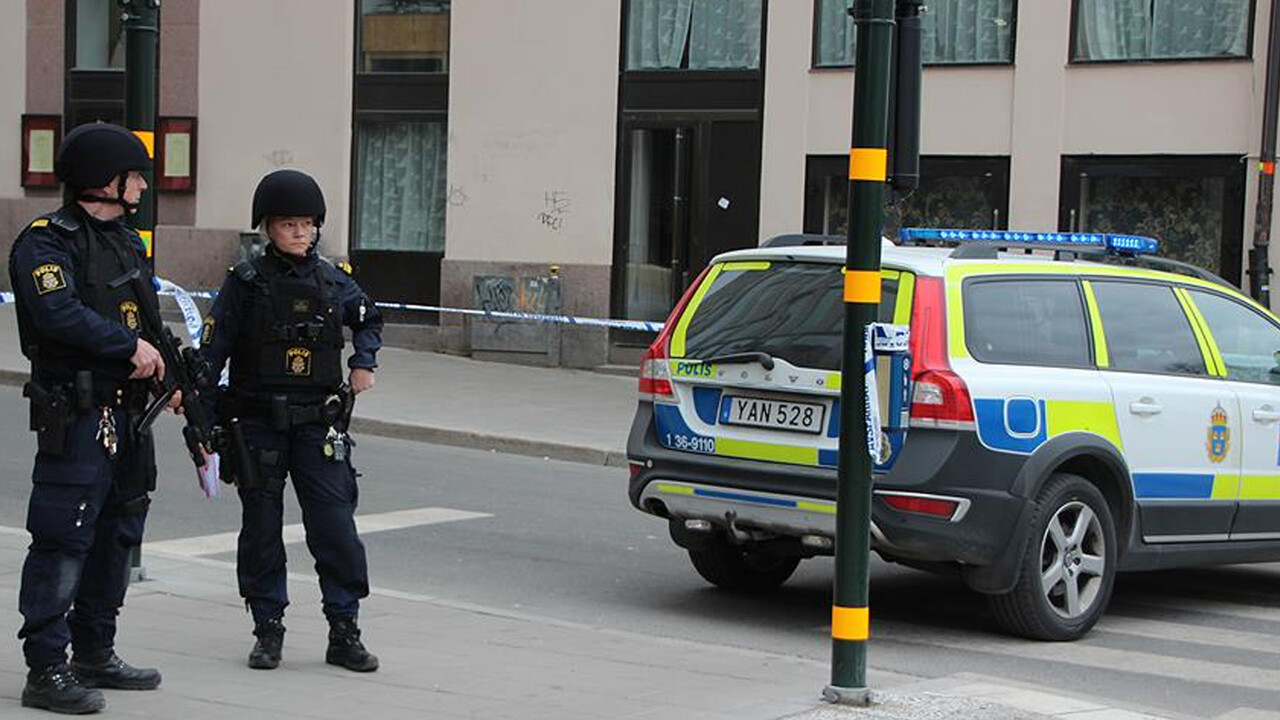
<point>1259,266</point>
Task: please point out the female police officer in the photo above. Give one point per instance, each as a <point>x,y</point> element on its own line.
<point>80,276</point>
<point>279,320</point>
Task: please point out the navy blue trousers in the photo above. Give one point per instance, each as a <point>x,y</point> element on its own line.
<point>327,494</point>
<point>77,567</point>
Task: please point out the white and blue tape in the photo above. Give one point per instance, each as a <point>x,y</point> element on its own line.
<point>185,298</point>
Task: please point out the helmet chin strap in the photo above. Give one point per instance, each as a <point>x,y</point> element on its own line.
<point>129,207</point>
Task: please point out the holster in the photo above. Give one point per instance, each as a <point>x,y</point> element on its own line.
<point>52,409</point>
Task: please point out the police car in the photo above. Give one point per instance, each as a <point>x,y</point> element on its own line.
<point>1071,406</point>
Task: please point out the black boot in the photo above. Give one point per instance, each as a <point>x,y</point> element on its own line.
<point>266,651</point>
<point>55,688</point>
<point>105,669</point>
<point>345,648</point>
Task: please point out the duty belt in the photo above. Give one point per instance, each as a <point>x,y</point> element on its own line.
<point>282,413</point>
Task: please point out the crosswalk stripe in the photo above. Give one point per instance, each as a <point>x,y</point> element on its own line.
<point>1082,654</point>
<point>218,543</point>
<point>1184,632</point>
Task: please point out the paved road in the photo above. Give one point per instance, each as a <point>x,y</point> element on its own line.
<point>558,539</point>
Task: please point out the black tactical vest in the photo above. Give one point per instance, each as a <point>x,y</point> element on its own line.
<point>105,254</point>
<point>292,339</point>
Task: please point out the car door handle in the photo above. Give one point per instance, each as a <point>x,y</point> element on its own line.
<point>1145,407</point>
<point>1266,415</point>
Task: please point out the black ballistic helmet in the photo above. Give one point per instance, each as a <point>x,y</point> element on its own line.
<point>287,193</point>
<point>92,154</point>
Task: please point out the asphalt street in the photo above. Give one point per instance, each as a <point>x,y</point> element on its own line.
<point>557,539</point>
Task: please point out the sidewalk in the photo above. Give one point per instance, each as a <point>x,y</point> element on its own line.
<point>444,659</point>
<point>573,415</point>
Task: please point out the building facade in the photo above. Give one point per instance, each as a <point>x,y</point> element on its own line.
<point>589,157</point>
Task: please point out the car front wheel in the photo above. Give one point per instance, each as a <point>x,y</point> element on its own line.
<point>1068,566</point>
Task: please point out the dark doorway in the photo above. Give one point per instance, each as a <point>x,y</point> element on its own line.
<point>688,190</point>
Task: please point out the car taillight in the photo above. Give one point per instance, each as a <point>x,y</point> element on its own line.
<point>939,507</point>
<point>655,369</point>
<point>939,397</point>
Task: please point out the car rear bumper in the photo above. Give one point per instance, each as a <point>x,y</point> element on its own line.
<point>797,501</point>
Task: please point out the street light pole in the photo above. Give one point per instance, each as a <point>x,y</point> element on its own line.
<point>868,168</point>
<point>142,31</point>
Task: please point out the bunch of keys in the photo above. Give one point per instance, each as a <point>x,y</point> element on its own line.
<point>107,432</point>
<point>335,445</point>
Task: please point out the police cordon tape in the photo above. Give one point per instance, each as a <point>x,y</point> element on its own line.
<point>168,288</point>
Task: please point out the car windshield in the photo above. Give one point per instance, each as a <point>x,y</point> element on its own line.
<point>790,310</point>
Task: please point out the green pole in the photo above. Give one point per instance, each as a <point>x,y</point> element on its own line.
<point>868,167</point>
<point>142,31</point>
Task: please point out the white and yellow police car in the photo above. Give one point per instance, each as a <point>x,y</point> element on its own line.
<point>1071,407</point>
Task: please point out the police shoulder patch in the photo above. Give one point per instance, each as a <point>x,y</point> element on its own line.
<point>39,222</point>
<point>344,266</point>
<point>49,278</point>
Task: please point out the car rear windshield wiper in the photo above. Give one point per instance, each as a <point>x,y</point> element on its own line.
<point>764,358</point>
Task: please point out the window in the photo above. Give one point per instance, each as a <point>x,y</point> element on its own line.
<point>792,311</point>
<point>969,193</point>
<point>694,34</point>
<point>1026,322</point>
<point>1161,29</point>
<point>400,181</point>
<point>951,32</point>
<point>404,36</point>
<point>99,35</point>
<point>1247,341</point>
<point>1146,329</point>
<point>1193,205</point>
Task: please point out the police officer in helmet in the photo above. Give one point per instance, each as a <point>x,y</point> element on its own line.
<point>81,281</point>
<point>279,320</point>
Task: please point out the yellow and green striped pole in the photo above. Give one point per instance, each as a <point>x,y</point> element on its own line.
<point>142,31</point>
<point>868,168</point>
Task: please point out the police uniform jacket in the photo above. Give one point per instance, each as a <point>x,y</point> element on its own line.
<point>76,309</point>
<point>279,321</point>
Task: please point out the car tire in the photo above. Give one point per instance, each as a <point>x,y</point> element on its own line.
<point>1068,567</point>
<point>742,569</point>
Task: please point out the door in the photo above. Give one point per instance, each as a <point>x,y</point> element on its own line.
<point>655,223</point>
<point>1177,420</point>
<point>1246,342</point>
<point>690,189</point>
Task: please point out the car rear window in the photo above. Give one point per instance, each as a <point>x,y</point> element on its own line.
<point>791,310</point>
<point>1026,321</point>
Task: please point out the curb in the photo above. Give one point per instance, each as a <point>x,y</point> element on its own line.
<point>449,436</point>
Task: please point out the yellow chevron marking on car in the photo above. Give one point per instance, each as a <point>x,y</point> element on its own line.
<point>747,265</point>
<point>1099,418</point>
<point>850,623</point>
<point>1225,487</point>
<point>1208,351</point>
<point>1100,354</point>
<point>906,293</point>
<point>682,327</point>
<point>1260,487</point>
<point>822,508</point>
<point>674,489</point>
<point>1216,365</point>
<point>767,451</point>
<point>835,381</point>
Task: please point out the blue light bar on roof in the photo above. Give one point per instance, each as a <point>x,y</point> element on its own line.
<point>1118,244</point>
